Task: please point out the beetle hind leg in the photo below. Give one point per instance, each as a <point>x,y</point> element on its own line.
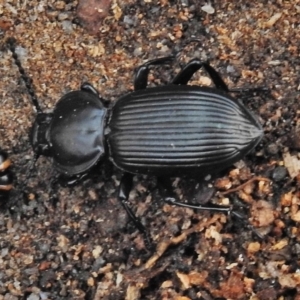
<point>142,72</point>
<point>169,197</point>
<point>192,67</point>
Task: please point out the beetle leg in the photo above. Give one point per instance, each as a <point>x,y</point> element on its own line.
<point>211,207</point>
<point>124,190</point>
<point>216,208</point>
<point>142,72</point>
<point>87,87</point>
<point>169,197</point>
<point>192,67</point>
<point>166,189</point>
<point>53,197</point>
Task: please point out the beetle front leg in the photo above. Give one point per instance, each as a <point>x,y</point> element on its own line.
<point>142,72</point>
<point>124,190</point>
<point>192,67</point>
<point>87,87</point>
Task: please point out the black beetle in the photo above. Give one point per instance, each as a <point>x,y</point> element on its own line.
<point>6,179</point>
<point>165,131</point>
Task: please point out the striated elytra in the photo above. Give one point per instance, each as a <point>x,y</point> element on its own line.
<point>178,130</point>
<point>165,131</point>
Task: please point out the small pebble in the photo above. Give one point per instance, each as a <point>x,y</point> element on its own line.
<point>272,149</point>
<point>293,139</point>
<point>208,8</point>
<point>279,173</point>
<point>33,297</point>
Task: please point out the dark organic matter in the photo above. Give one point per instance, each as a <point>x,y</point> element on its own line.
<point>91,13</point>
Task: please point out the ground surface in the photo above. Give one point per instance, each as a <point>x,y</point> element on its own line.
<point>82,246</point>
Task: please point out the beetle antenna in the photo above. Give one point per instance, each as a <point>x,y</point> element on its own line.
<point>11,42</point>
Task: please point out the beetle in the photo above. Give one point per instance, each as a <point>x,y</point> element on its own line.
<point>6,178</point>
<point>164,131</point>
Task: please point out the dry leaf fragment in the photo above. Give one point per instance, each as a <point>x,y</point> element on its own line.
<point>91,281</point>
<point>292,163</point>
<point>287,281</point>
<point>234,287</point>
<point>28,259</point>
<point>97,251</point>
<point>249,283</point>
<point>295,212</point>
<point>281,244</point>
<point>166,284</point>
<point>262,213</point>
<point>273,20</point>
<point>133,292</point>
<point>223,183</point>
<point>197,278</point>
<point>253,247</point>
<point>208,8</point>
<point>116,10</point>
<point>92,12</point>
<point>78,250</point>
<point>184,279</point>
<point>44,265</point>
<point>63,242</point>
<point>286,199</point>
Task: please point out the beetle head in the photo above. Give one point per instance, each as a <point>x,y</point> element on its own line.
<point>39,134</point>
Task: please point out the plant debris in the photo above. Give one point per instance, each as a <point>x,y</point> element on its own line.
<point>82,246</point>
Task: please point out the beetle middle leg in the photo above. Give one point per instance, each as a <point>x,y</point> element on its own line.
<point>142,72</point>
<point>192,67</point>
<point>124,190</point>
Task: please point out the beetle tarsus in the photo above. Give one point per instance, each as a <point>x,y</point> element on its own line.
<point>124,190</point>
<point>211,207</point>
<point>53,198</point>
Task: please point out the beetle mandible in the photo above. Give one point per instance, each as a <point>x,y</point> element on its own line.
<point>165,131</point>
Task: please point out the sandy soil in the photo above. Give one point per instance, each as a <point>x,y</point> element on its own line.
<point>82,246</point>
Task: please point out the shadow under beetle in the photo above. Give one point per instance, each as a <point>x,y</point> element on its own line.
<point>164,131</point>
<point>6,179</point>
